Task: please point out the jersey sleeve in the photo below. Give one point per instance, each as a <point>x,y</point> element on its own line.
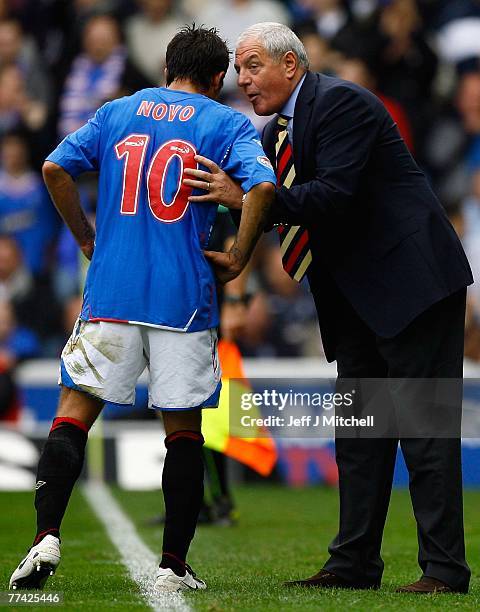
<point>80,151</point>
<point>245,160</point>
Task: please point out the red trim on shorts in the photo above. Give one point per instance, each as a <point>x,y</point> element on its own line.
<point>57,421</point>
<point>98,319</point>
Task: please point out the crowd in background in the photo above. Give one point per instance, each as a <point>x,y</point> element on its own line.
<point>61,59</point>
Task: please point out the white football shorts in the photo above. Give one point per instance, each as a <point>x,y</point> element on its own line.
<point>106,359</point>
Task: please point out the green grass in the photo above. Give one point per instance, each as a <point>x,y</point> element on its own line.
<point>91,576</point>
<point>282,534</point>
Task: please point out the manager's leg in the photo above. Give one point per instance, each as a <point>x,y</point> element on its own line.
<point>365,465</point>
<point>432,348</point>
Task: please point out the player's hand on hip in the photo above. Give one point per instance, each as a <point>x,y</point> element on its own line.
<point>227,266</point>
<point>219,187</point>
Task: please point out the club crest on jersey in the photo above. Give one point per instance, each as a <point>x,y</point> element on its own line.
<point>263,159</point>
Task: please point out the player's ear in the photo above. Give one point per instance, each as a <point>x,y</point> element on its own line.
<point>218,80</point>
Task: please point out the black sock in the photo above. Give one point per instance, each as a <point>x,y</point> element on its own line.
<point>59,467</point>
<point>182,484</point>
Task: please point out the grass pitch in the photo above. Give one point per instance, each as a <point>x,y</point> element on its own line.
<point>282,534</point>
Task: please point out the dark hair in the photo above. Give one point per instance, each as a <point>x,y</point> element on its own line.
<point>196,54</point>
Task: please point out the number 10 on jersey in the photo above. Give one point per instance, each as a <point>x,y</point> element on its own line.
<point>133,150</point>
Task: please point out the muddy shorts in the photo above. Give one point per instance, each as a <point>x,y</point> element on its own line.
<point>106,359</point>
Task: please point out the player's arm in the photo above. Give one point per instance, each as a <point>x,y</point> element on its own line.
<point>255,216</point>
<point>65,196</point>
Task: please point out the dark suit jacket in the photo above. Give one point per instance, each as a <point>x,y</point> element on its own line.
<point>378,234</point>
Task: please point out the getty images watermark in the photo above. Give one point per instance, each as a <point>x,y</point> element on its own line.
<point>327,402</point>
<point>350,408</point>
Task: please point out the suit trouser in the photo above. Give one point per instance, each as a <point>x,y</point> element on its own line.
<point>431,347</point>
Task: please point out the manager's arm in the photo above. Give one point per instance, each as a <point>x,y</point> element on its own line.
<point>255,212</point>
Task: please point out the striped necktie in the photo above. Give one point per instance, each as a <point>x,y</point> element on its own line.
<point>296,254</point>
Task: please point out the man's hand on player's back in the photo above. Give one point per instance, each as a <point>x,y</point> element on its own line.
<point>219,187</point>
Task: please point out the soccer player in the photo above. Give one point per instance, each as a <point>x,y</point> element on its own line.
<point>149,299</point>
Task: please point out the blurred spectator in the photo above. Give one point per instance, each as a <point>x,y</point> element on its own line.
<point>16,343</point>
<point>326,17</point>
<point>408,65</point>
<point>458,25</point>
<point>232,17</point>
<point>470,235</point>
<point>17,108</point>
<point>459,217</point>
<point>468,102</point>
<point>26,212</point>
<point>18,50</point>
<point>100,73</point>
<point>318,51</point>
<point>32,299</point>
<point>281,318</point>
<point>357,70</point>
<point>149,33</point>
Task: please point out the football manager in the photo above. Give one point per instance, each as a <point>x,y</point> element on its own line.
<point>356,215</point>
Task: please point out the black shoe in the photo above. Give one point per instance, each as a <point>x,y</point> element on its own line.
<point>327,580</point>
<point>424,586</point>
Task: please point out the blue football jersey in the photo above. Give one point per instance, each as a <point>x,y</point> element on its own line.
<point>148,265</point>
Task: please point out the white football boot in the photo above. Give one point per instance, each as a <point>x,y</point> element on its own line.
<point>40,563</point>
<point>167,580</point>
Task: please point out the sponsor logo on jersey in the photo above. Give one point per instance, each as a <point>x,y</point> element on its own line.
<point>39,484</point>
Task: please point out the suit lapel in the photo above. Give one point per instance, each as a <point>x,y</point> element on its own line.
<point>302,114</point>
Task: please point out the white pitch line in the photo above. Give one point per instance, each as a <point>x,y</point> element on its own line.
<point>136,556</point>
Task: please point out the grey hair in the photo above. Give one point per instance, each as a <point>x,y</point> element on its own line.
<point>277,39</point>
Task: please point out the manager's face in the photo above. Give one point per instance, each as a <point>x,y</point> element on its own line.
<point>267,83</point>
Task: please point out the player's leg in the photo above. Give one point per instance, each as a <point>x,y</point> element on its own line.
<point>180,387</point>
<point>62,458</point>
<point>59,467</point>
<point>100,362</point>
<point>182,485</point>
